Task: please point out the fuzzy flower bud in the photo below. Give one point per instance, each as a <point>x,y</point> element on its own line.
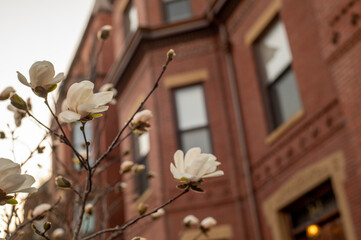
<point>104,33</point>
<point>170,55</point>
<point>138,238</point>
<point>208,222</point>
<point>47,226</point>
<point>58,234</point>
<point>89,209</point>
<point>190,221</point>
<point>142,208</point>
<point>62,182</point>
<point>5,94</point>
<point>140,122</point>
<point>40,210</point>
<point>18,102</point>
<point>126,166</point>
<point>158,214</point>
<point>138,168</point>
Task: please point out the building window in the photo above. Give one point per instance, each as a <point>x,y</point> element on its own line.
<point>141,147</point>
<point>79,143</point>
<point>177,10</point>
<point>192,121</point>
<point>130,20</point>
<point>315,215</point>
<point>279,83</point>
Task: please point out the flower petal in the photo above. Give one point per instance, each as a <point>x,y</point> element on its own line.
<point>23,79</point>
<point>79,93</point>
<point>191,155</point>
<point>69,116</point>
<point>99,109</point>
<point>102,98</point>
<point>175,172</point>
<point>179,160</point>
<point>59,77</point>
<point>214,174</point>
<point>12,182</point>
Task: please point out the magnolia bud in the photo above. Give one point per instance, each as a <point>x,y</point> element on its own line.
<point>89,209</point>
<point>126,166</point>
<point>104,33</point>
<point>138,168</point>
<point>142,208</point>
<point>40,210</point>
<point>18,102</point>
<point>190,221</point>
<point>170,55</point>
<point>58,234</point>
<point>47,226</point>
<point>138,238</point>
<point>62,182</point>
<point>5,94</point>
<point>207,223</point>
<point>2,135</point>
<point>158,214</point>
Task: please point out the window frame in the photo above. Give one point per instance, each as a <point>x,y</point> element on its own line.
<point>179,132</point>
<point>128,33</point>
<point>271,109</point>
<point>138,159</point>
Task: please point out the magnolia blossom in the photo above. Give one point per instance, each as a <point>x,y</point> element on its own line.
<point>208,222</point>
<point>42,78</point>
<point>194,166</point>
<point>190,221</point>
<point>58,233</point>
<point>12,181</point>
<point>140,121</point>
<point>158,213</point>
<point>41,209</point>
<point>82,103</point>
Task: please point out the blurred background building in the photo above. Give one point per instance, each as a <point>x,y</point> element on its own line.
<point>272,88</point>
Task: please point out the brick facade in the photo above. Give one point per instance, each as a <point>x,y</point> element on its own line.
<point>214,48</point>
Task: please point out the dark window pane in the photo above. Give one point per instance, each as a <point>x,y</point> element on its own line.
<point>177,10</point>
<point>285,97</point>
<point>197,138</point>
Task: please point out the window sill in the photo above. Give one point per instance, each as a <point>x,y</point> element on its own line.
<point>278,132</point>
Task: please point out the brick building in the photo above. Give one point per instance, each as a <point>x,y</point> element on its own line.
<point>272,88</point>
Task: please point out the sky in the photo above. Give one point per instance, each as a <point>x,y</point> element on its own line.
<point>30,31</point>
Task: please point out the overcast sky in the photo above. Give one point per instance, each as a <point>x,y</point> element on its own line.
<point>35,30</point>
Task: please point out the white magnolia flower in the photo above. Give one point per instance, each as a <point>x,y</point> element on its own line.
<point>81,102</point>
<point>158,213</point>
<point>190,221</point>
<point>41,209</point>
<point>58,234</point>
<point>42,78</point>
<point>194,166</point>
<point>12,181</point>
<point>208,222</point>
<point>140,121</point>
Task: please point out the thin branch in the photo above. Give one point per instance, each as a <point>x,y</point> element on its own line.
<point>125,226</point>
